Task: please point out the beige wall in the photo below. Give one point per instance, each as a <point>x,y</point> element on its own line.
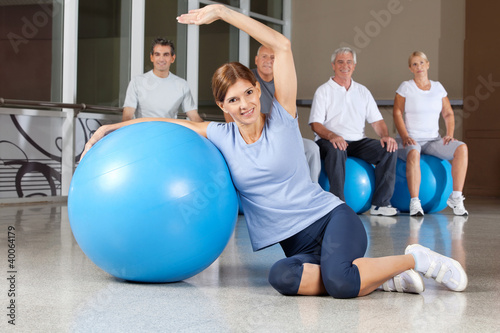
<point>384,33</point>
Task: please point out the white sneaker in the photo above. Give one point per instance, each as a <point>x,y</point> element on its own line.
<point>407,282</point>
<point>441,268</point>
<point>383,210</point>
<point>416,208</point>
<point>457,204</point>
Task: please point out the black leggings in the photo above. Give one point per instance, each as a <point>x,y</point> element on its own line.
<point>333,242</point>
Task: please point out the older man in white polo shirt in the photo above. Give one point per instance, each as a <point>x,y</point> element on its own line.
<point>339,111</point>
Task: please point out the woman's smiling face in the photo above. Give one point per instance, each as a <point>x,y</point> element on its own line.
<point>242,102</point>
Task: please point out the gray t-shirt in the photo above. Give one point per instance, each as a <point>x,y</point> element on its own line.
<point>267,96</point>
<point>153,96</point>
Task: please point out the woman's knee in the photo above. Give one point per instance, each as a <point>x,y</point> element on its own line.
<point>413,154</point>
<point>413,157</point>
<point>345,240</point>
<point>285,275</point>
<point>461,151</point>
<point>343,285</point>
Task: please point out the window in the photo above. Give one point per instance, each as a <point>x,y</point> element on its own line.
<point>269,8</point>
<point>30,40</point>
<point>220,43</point>
<point>160,21</point>
<point>107,31</point>
<point>103,51</point>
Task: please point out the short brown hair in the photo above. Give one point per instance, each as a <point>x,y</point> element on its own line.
<point>227,75</point>
<point>163,42</point>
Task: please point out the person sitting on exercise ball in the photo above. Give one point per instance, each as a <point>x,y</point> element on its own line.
<point>422,101</point>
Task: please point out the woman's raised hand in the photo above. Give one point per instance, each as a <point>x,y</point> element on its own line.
<point>205,15</point>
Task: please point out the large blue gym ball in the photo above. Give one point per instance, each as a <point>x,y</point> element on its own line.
<point>152,202</point>
<point>436,185</point>
<point>359,183</point>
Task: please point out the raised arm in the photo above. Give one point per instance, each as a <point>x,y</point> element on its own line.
<point>285,78</point>
<point>198,127</point>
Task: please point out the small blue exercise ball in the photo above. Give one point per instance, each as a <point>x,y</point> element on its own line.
<point>152,202</point>
<point>436,185</point>
<point>359,183</point>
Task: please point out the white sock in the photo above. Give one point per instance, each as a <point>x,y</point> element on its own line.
<point>413,199</point>
<point>456,194</point>
<point>421,261</point>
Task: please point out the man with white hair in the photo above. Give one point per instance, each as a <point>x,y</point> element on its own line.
<point>339,111</point>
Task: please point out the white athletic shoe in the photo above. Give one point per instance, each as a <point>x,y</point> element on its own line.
<point>407,282</point>
<point>416,208</point>
<point>438,267</point>
<point>383,210</point>
<point>457,204</point>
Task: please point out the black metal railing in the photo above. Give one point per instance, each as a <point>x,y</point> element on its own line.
<point>82,107</point>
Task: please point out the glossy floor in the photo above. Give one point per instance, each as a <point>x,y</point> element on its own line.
<point>57,289</point>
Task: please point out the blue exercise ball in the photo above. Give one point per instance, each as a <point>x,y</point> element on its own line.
<point>359,183</point>
<point>152,202</point>
<point>436,185</point>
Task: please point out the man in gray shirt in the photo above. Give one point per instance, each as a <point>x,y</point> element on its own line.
<point>159,93</point>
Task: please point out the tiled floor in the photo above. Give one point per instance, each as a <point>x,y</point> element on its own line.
<point>57,289</point>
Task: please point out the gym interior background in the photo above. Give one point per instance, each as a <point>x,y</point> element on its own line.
<point>74,59</point>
